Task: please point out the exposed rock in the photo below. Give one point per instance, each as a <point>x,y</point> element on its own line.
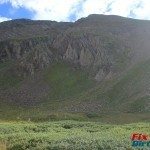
<point>86,58</point>
<point>97,43</point>
<point>31,54</point>
<point>71,54</point>
<point>100,75</point>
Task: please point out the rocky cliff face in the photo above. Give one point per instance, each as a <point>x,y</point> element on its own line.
<point>104,45</point>
<point>30,54</point>
<point>90,52</point>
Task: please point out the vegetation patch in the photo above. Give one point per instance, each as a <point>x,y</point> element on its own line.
<point>66,81</point>
<point>69,135</point>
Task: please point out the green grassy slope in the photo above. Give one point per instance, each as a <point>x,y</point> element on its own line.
<point>72,88</point>
<point>8,78</point>
<point>129,92</point>
<point>66,81</point>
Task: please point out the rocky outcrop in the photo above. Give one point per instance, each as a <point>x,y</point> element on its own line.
<point>71,54</point>
<point>104,45</point>
<point>29,54</point>
<point>86,58</point>
<point>40,57</point>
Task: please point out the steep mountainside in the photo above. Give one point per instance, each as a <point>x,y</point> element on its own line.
<point>97,64</point>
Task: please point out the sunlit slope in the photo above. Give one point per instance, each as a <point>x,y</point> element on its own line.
<point>69,89</point>
<point>130,91</point>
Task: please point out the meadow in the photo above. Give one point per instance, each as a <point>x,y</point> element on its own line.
<point>69,135</point>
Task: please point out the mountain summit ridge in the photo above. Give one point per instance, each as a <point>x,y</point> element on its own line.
<point>81,42</point>
<point>93,50</point>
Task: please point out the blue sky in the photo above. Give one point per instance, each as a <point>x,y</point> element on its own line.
<point>9,11</point>
<point>71,10</point>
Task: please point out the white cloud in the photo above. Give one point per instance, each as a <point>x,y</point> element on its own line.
<point>47,9</point>
<point>60,10</point>
<point>4,19</point>
<point>93,7</point>
<point>126,8</point>
<point>143,11</point>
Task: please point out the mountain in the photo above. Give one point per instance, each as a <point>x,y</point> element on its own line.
<point>98,64</point>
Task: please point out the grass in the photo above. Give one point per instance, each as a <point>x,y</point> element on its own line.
<point>8,78</point>
<point>69,135</point>
<point>131,87</point>
<point>36,114</point>
<point>66,81</point>
<point>7,81</point>
<point>71,87</point>
<point>3,146</point>
<point>126,93</point>
<point>64,130</point>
